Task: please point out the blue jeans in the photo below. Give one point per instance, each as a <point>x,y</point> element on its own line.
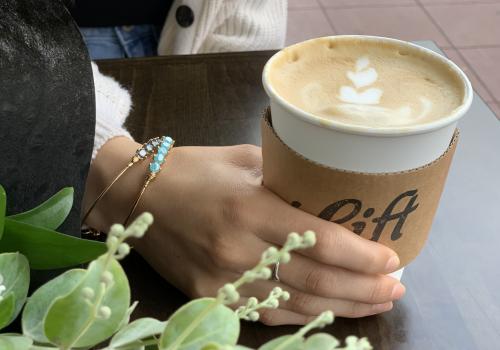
<point>121,42</point>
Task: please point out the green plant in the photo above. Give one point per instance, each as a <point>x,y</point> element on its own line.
<point>33,234</point>
<point>85,307</point>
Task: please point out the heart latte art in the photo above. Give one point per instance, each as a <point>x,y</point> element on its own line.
<point>375,84</point>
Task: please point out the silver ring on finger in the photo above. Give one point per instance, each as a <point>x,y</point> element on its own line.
<point>275,270</point>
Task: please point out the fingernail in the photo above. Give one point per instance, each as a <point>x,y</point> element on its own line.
<point>397,291</point>
<point>378,308</point>
<point>392,264</point>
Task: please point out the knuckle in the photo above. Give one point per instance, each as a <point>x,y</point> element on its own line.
<point>376,258</point>
<point>243,157</point>
<point>312,281</point>
<point>318,282</point>
<point>232,210</point>
<point>325,243</point>
<point>223,253</point>
<point>301,302</point>
<point>379,292</point>
<point>246,155</point>
<point>357,309</point>
<point>372,261</point>
<point>199,288</point>
<point>248,149</point>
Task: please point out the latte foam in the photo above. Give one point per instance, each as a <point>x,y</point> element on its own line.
<point>366,82</point>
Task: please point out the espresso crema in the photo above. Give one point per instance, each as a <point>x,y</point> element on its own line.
<point>366,82</point>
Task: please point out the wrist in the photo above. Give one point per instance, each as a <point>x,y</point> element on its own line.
<point>113,156</point>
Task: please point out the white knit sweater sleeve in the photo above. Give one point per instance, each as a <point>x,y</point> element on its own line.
<point>113,105</point>
<point>243,26</point>
<point>225,25</point>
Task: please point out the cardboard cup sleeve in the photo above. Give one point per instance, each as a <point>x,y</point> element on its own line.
<point>395,209</point>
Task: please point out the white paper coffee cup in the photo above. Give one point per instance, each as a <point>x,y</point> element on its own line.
<point>361,148</point>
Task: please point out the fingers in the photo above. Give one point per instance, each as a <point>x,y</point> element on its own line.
<point>310,305</point>
<point>246,157</point>
<point>277,317</point>
<point>312,277</point>
<point>315,278</point>
<point>335,244</point>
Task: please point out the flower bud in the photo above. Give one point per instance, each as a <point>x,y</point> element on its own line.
<point>230,293</point>
<point>111,242</point>
<point>249,275</point>
<point>107,278</point>
<point>285,257</point>
<point>116,230</point>
<point>351,341</point>
<point>253,316</point>
<point>325,318</point>
<point>265,273</point>
<point>252,302</point>
<point>269,253</point>
<point>328,316</point>
<point>104,312</point>
<point>273,303</point>
<point>309,239</point>
<point>146,218</point>
<point>293,240</point>
<point>277,291</point>
<point>88,293</point>
<point>139,232</point>
<point>123,249</point>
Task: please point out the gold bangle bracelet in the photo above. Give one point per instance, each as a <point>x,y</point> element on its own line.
<point>154,168</point>
<point>140,154</point>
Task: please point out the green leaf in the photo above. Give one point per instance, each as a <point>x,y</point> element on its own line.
<point>132,347</point>
<point>221,325</point>
<point>321,341</point>
<point>38,304</point>
<point>14,342</point>
<point>48,249</point>
<point>126,319</point>
<point>296,344</point>
<point>51,213</point>
<point>215,346</point>
<point>85,329</point>
<point>3,201</point>
<point>15,271</point>
<point>141,328</point>
<point>7,306</point>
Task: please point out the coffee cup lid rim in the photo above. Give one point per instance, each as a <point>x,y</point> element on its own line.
<point>379,131</point>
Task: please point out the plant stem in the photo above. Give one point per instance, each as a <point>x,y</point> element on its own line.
<point>149,342</point>
<point>153,341</point>
<point>93,314</point>
<point>299,334</point>
<point>194,324</point>
<point>242,280</point>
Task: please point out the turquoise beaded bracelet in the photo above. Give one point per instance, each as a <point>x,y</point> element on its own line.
<point>140,154</point>
<point>163,148</point>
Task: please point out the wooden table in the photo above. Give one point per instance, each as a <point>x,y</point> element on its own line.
<point>453,288</point>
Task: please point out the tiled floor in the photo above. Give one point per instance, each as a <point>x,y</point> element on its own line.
<point>468,31</point>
